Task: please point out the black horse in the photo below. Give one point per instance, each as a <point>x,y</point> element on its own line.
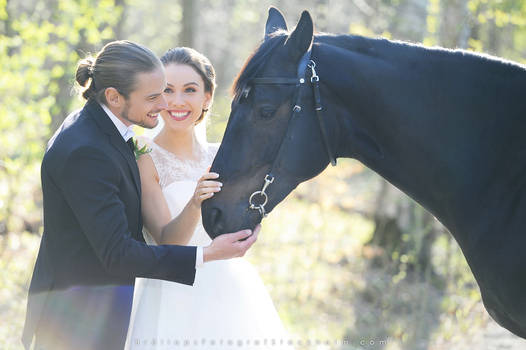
<point>446,127</point>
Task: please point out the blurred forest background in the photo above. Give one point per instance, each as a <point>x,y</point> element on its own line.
<point>351,262</point>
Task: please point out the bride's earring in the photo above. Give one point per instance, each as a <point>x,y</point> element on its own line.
<point>204,110</point>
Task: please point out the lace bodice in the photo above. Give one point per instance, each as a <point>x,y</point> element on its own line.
<point>178,179</point>
<point>170,168</point>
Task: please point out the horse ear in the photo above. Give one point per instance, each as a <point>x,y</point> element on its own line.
<point>275,21</point>
<point>300,40</point>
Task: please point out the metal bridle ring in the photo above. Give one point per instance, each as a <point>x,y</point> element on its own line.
<point>263,194</point>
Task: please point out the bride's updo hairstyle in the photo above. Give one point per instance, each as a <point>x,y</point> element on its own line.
<point>117,66</point>
<point>199,62</point>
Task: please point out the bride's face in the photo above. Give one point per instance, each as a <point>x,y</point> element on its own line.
<point>185,95</point>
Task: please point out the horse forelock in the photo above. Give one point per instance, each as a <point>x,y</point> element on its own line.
<point>255,61</point>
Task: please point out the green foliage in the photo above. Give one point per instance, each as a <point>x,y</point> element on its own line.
<point>39,51</point>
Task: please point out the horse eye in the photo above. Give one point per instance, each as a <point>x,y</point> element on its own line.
<point>267,112</point>
<point>246,91</point>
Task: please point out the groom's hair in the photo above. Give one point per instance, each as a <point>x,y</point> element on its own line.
<point>117,66</point>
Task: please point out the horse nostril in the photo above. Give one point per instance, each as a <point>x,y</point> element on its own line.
<point>215,218</point>
<point>214,215</point>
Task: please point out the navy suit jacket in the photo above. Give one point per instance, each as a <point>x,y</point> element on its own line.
<point>92,246</point>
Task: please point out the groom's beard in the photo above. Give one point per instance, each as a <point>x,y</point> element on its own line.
<point>125,115</point>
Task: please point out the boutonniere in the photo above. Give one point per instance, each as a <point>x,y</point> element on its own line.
<point>140,151</point>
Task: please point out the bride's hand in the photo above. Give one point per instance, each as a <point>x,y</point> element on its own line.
<point>205,188</point>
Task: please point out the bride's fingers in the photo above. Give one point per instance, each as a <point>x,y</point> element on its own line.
<point>211,187</point>
<point>209,184</point>
<point>205,196</point>
<point>208,176</point>
<point>203,190</point>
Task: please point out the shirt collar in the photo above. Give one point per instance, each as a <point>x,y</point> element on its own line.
<point>125,131</point>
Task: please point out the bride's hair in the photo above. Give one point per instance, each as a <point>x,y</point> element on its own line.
<point>199,62</point>
<point>117,66</point>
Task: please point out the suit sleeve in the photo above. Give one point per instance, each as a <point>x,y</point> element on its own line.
<point>89,181</point>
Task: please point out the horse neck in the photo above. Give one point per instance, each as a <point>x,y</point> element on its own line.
<point>438,124</point>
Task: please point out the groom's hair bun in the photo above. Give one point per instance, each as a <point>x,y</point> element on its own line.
<point>117,66</point>
<point>85,73</point>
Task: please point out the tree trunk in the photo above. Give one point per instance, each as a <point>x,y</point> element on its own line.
<point>119,27</point>
<point>187,35</point>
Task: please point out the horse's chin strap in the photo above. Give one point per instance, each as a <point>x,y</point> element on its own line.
<point>305,62</point>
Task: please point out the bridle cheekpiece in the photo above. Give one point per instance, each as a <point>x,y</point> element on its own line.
<point>304,65</point>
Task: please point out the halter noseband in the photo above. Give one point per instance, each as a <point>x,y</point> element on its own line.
<point>305,63</point>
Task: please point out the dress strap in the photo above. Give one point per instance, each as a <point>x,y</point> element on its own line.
<point>158,157</point>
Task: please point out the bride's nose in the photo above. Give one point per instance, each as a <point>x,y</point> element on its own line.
<point>178,99</point>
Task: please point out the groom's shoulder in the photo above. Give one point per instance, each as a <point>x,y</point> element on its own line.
<point>78,130</point>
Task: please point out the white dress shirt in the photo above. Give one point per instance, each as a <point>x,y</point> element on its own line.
<point>127,133</point>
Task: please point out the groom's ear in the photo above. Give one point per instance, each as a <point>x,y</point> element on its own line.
<point>113,97</point>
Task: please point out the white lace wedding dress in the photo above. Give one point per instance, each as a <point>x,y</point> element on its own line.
<point>228,306</point>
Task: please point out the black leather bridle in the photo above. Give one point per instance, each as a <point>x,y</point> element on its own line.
<point>305,64</point>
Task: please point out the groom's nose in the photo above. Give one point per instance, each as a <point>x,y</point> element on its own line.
<point>162,103</point>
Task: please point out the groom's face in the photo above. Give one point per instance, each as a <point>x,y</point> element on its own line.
<point>146,101</point>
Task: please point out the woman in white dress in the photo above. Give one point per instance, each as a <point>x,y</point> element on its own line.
<point>228,306</point>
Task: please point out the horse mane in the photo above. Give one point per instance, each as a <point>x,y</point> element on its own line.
<point>255,61</point>
<point>360,44</point>
<point>375,46</point>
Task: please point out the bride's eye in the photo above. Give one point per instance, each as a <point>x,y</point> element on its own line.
<point>190,90</point>
<point>168,90</point>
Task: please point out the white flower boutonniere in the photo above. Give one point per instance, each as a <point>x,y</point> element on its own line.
<point>139,151</point>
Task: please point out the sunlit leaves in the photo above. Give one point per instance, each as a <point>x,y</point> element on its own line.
<point>37,61</point>
<point>432,23</point>
<point>3,12</point>
<point>501,20</point>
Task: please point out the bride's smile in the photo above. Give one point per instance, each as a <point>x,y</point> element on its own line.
<point>179,115</point>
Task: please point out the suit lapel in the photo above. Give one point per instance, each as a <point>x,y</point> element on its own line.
<point>124,149</point>
<point>116,140</point>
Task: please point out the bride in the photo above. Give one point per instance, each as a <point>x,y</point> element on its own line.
<point>228,306</point>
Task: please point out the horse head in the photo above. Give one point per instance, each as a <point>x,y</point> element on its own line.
<point>272,140</point>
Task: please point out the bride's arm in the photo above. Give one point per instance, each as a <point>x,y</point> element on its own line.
<point>156,215</point>
<point>181,228</point>
<point>155,212</point>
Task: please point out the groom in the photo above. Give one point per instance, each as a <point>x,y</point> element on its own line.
<point>92,247</point>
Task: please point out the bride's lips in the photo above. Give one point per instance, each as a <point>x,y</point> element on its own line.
<point>179,115</point>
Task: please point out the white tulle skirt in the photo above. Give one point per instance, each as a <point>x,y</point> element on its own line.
<point>228,307</point>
